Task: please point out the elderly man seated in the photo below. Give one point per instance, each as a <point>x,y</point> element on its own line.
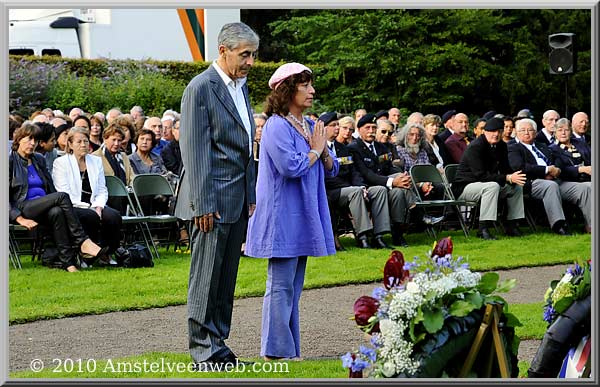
<point>537,162</point>
<point>484,175</point>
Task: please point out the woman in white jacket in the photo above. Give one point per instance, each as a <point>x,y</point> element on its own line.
<point>81,175</point>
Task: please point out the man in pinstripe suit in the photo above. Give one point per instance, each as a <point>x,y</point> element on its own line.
<point>218,187</point>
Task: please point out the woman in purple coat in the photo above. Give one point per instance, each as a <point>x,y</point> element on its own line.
<point>292,219</point>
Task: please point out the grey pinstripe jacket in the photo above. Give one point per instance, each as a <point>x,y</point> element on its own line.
<point>219,174</point>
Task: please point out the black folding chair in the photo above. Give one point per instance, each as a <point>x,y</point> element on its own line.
<point>427,173</point>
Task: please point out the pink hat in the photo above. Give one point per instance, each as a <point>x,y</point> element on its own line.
<point>285,71</point>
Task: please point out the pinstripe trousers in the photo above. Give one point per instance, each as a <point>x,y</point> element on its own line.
<point>213,272</point>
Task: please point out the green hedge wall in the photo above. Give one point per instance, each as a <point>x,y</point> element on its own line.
<point>101,84</point>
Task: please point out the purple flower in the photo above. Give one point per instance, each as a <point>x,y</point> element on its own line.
<point>379,293</point>
<point>549,313</point>
<point>359,365</point>
<point>347,360</point>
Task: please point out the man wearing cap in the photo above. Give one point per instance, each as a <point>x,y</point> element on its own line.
<point>348,190</point>
<point>457,143</point>
<point>374,163</point>
<point>484,176</point>
<point>447,122</point>
<point>537,162</point>
<point>217,190</point>
<point>382,115</point>
<point>546,134</point>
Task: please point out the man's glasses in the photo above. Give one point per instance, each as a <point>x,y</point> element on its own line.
<point>384,131</point>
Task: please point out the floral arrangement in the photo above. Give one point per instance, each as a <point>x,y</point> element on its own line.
<point>574,285</point>
<point>419,303</point>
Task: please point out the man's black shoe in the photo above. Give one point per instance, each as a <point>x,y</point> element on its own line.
<point>362,242</point>
<point>232,358</point>
<point>562,231</point>
<point>399,240</point>
<point>484,233</point>
<point>379,243</point>
<point>513,231</point>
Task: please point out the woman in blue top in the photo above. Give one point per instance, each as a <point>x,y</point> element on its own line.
<point>33,200</point>
<point>292,219</point>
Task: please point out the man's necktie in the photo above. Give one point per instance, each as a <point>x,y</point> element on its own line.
<point>372,148</point>
<point>539,154</point>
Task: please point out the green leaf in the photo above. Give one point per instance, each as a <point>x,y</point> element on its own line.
<point>461,308</point>
<point>506,285</point>
<point>475,299</point>
<point>512,320</point>
<point>488,283</point>
<point>563,304</point>
<point>495,299</point>
<point>434,320</point>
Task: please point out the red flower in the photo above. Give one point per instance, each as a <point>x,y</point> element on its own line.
<point>393,271</point>
<point>442,247</point>
<point>364,308</point>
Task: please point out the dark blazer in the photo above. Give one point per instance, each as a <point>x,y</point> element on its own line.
<point>171,155</point>
<point>569,166</point>
<point>444,134</point>
<point>541,138</point>
<point>374,169</point>
<point>583,147</point>
<point>482,163</point>
<point>587,137</point>
<point>521,159</point>
<point>347,175</point>
<point>219,172</point>
<point>18,180</point>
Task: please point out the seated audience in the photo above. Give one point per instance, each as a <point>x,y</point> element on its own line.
<point>81,175</point>
<point>436,149</point>
<point>46,141</point>
<point>33,200</point>
<point>508,134</point>
<point>96,128</point>
<point>458,141</point>
<point>576,170</point>
<point>347,128</point>
<point>348,191</point>
<point>536,161</point>
<point>374,163</point>
<point>484,176</point>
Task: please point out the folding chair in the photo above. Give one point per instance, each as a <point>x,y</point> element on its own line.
<point>36,238</point>
<point>152,184</point>
<point>429,173</point>
<point>13,246</point>
<point>470,208</point>
<point>116,188</point>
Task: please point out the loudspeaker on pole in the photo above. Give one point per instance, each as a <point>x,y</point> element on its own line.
<point>562,55</point>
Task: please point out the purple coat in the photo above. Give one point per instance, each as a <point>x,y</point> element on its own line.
<point>292,215</point>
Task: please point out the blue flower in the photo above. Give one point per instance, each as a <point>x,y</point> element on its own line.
<point>379,293</point>
<point>368,352</point>
<point>359,365</point>
<point>549,313</point>
<point>374,341</point>
<point>347,360</point>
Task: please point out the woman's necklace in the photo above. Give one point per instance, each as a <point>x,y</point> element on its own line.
<point>305,133</point>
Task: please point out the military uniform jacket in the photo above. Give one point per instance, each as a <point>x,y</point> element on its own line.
<point>347,176</point>
<point>374,169</point>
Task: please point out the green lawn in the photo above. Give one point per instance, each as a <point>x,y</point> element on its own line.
<point>165,366</point>
<point>37,292</point>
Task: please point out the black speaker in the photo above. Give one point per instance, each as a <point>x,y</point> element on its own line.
<point>562,53</point>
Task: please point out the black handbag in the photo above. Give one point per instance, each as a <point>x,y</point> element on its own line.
<point>136,255</point>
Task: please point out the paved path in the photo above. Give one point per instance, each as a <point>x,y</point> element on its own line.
<point>326,328</point>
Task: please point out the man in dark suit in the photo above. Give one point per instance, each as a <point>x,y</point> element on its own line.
<point>484,175</point>
<point>348,190</point>
<point>581,123</point>
<point>218,187</point>
<point>374,163</point>
<point>447,124</point>
<point>546,134</point>
<point>536,161</point>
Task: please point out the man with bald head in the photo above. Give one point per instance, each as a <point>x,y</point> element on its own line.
<point>546,135</point>
<point>457,143</point>
<point>394,116</point>
<point>581,123</point>
<point>155,124</point>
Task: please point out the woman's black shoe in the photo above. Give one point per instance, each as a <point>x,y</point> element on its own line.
<point>484,233</point>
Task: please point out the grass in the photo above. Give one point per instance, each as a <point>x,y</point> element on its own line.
<point>37,293</point>
<point>166,365</point>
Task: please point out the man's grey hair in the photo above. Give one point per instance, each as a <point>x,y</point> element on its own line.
<point>547,113</point>
<point>138,109</point>
<point>401,139</point>
<point>522,121</point>
<point>234,34</point>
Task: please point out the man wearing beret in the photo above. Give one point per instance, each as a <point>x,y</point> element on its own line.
<point>374,163</point>
<point>484,176</point>
<point>348,190</point>
<point>448,123</point>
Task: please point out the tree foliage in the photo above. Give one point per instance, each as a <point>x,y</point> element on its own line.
<point>430,60</point>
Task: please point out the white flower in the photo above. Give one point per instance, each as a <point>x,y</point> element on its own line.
<point>388,369</point>
<point>412,287</point>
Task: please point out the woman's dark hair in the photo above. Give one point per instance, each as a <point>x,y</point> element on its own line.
<point>12,126</point>
<point>26,130</point>
<point>82,118</point>
<point>278,100</point>
<point>146,131</point>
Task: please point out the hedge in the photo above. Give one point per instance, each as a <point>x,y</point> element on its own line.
<point>101,84</point>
